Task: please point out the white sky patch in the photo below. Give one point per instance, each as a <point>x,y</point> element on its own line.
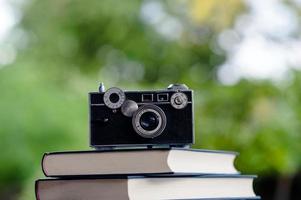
<point>263,46</point>
<point>153,13</point>
<point>297,2</point>
<point>7,19</point>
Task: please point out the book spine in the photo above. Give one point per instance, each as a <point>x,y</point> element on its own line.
<point>37,190</point>
<point>43,164</point>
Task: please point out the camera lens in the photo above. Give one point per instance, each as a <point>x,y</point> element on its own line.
<point>114,98</point>
<point>149,121</point>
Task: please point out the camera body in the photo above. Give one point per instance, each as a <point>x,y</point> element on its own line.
<point>141,118</point>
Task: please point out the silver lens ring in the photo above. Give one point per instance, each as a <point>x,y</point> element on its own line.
<point>119,97</point>
<point>156,111</point>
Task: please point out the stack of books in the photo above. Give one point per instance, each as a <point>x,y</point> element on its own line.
<point>148,119</point>
<point>174,173</point>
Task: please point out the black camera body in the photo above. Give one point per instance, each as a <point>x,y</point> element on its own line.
<point>141,118</point>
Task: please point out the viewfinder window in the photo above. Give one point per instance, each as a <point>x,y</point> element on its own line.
<point>147,97</point>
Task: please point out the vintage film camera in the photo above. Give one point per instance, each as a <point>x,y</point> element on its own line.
<point>141,118</point>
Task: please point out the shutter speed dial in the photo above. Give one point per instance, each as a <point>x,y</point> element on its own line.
<point>114,98</point>
<point>178,100</point>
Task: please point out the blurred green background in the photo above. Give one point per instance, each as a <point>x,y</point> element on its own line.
<point>242,58</point>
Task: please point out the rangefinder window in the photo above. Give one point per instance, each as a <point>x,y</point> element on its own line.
<point>162,97</point>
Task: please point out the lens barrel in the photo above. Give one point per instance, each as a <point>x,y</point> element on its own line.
<point>149,121</point>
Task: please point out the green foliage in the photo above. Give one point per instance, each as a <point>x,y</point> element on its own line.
<point>74,44</point>
<point>34,113</point>
<point>256,119</point>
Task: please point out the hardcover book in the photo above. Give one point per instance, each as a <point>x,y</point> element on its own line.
<point>133,162</point>
<point>139,187</point>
